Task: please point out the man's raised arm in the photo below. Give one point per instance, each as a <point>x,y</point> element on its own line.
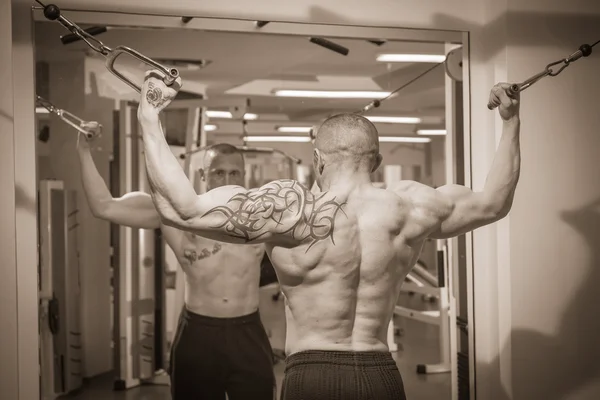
<point>281,210</point>
<point>172,193</point>
<point>134,209</point>
<point>471,210</point>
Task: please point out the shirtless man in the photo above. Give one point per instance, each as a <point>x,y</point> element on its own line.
<point>220,345</point>
<point>341,255</point>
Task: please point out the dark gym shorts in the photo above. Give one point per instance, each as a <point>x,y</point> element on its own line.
<point>342,375</point>
<point>213,356</point>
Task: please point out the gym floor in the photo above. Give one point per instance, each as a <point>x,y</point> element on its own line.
<point>418,345</point>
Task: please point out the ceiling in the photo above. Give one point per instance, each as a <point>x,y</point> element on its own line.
<point>252,65</point>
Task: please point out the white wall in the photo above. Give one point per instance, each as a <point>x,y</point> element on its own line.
<point>555,221</point>
<point>20,228</point>
<point>9,373</point>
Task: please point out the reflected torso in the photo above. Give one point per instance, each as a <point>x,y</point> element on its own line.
<point>221,280</point>
<point>341,291</point>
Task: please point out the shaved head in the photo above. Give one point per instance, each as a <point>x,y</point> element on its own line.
<point>223,165</point>
<point>220,149</point>
<point>347,137</point>
<point>345,144</point>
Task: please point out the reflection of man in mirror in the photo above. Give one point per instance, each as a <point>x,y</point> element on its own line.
<point>342,254</point>
<point>220,345</point>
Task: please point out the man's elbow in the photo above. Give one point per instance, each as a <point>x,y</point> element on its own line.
<point>101,210</point>
<point>170,217</point>
<point>496,211</point>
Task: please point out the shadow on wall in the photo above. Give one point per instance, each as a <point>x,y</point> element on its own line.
<point>24,201</point>
<point>529,29</point>
<point>569,31</point>
<point>6,116</point>
<point>561,366</point>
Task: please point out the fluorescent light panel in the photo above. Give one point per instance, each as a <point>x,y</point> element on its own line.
<point>411,58</point>
<point>295,139</point>
<point>294,129</point>
<point>431,132</point>
<point>403,139</point>
<point>227,114</point>
<point>210,128</point>
<point>333,94</point>
<point>41,110</point>
<point>394,120</point>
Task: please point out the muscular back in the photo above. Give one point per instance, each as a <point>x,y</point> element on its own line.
<point>340,255</point>
<point>342,282</point>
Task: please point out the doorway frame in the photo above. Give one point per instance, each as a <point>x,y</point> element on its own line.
<point>25,156</point>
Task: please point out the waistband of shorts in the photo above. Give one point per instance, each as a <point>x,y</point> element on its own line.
<point>194,318</point>
<point>339,358</point>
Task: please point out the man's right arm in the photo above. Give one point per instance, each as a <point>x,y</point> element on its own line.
<point>135,209</point>
<point>471,210</point>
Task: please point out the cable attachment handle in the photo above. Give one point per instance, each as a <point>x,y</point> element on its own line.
<point>79,124</point>
<point>584,51</point>
<point>170,74</point>
<point>82,126</point>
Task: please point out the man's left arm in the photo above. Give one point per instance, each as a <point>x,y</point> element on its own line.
<point>471,210</point>
<point>172,192</point>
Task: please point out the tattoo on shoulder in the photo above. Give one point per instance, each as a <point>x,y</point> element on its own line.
<point>155,96</point>
<point>283,207</point>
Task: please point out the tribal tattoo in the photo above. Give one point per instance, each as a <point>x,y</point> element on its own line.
<point>282,207</point>
<point>155,97</point>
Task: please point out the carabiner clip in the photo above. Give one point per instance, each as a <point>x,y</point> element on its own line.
<point>170,74</point>
<point>549,70</point>
<point>79,123</point>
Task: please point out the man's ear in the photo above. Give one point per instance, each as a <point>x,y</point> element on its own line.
<point>202,175</point>
<point>318,162</point>
<point>378,160</point>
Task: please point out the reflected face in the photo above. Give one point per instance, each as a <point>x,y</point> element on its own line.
<point>223,170</point>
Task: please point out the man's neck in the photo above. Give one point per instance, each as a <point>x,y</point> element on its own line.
<point>343,178</point>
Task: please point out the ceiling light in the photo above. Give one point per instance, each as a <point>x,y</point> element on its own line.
<point>41,110</point>
<point>218,114</point>
<point>294,129</point>
<point>227,114</point>
<point>431,132</point>
<point>395,120</point>
<point>210,128</point>
<point>296,139</point>
<point>403,139</point>
<point>414,58</point>
<point>333,94</point>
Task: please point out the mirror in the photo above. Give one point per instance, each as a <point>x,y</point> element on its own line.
<point>111,295</point>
